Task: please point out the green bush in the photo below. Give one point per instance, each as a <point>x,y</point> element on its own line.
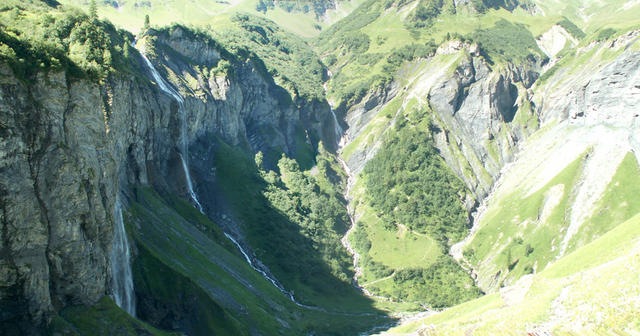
<point>442,284</point>
<point>606,34</point>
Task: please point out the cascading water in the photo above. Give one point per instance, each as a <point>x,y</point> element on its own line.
<point>164,86</point>
<point>273,281</point>
<point>340,138</point>
<point>192,193</point>
<point>122,279</point>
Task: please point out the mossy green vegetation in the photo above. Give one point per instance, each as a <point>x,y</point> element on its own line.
<point>294,220</point>
<point>102,319</point>
<point>182,267</point>
<point>164,293</point>
<point>35,37</point>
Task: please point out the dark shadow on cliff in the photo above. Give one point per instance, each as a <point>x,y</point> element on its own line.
<point>185,245</point>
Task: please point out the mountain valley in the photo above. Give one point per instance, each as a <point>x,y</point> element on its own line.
<point>344,167</point>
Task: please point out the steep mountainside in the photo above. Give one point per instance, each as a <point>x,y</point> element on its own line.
<point>76,143</point>
<point>226,176</point>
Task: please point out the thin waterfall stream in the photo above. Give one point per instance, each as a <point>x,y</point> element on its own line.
<point>166,87</point>
<point>255,264</point>
<point>183,153</point>
<point>121,275</point>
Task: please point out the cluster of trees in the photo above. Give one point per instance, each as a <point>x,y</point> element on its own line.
<point>483,5</point>
<point>507,41</point>
<point>409,183</point>
<point>34,37</point>
<point>316,207</point>
<point>319,7</point>
<point>287,58</point>
<point>293,219</point>
<point>442,284</point>
<point>571,28</point>
<point>408,53</point>
<point>427,11</point>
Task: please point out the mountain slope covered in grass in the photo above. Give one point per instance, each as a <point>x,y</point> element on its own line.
<point>319,167</point>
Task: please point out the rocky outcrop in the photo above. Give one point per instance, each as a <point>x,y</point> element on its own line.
<point>601,96</point>
<point>68,146</point>
<point>476,108</point>
<point>243,106</point>
<point>589,112</point>
<point>481,112</point>
<point>58,186</point>
<point>358,118</point>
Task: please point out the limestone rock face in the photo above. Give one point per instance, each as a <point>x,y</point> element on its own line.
<point>602,95</point>
<point>57,182</point>
<point>476,106</point>
<point>69,146</point>
<point>482,112</point>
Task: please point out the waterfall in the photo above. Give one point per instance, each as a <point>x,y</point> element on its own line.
<point>192,193</point>
<point>166,87</point>
<point>338,130</point>
<point>184,155</point>
<point>273,281</point>
<point>121,277</point>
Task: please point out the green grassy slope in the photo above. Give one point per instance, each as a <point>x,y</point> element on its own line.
<point>183,265</point>
<point>596,16</point>
<point>573,296</point>
<point>511,225</point>
<point>102,319</point>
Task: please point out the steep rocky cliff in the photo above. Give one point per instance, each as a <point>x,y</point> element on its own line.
<point>481,112</point>
<point>70,146</point>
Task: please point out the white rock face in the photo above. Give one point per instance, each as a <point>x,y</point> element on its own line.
<point>554,40</point>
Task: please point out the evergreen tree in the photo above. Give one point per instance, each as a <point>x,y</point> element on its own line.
<point>146,22</point>
<point>93,10</point>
